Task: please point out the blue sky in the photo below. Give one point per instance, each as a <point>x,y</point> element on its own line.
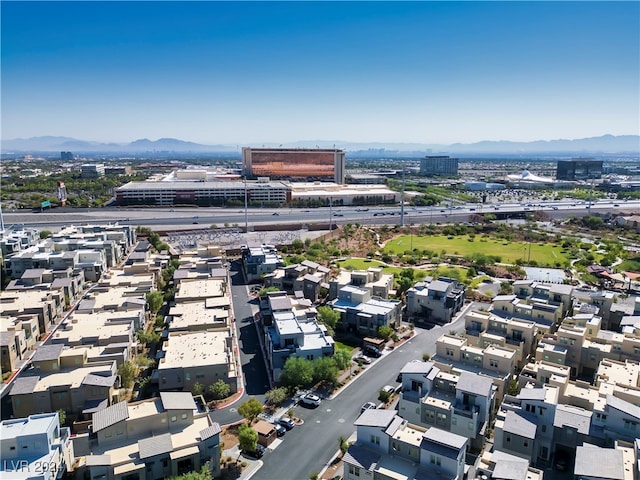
<point>245,72</point>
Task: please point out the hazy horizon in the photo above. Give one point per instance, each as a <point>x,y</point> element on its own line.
<point>282,72</point>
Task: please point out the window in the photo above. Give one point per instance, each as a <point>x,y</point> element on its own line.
<point>13,447</point>
<point>183,416</point>
<point>454,421</point>
<point>435,460</point>
<point>355,471</point>
<point>526,443</point>
<point>174,418</point>
<point>543,428</point>
<point>470,426</point>
<point>375,439</point>
<point>449,352</point>
<point>394,446</point>
<point>629,425</point>
<point>187,376</point>
<point>508,438</point>
<point>493,363</point>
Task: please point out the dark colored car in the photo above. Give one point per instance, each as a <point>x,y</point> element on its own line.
<point>287,423</point>
<point>257,453</point>
<point>280,430</point>
<point>372,352</point>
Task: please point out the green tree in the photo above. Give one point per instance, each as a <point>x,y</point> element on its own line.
<point>343,444</point>
<point>325,369</point>
<point>203,474</point>
<point>329,317</point>
<point>220,389</point>
<point>276,396</point>
<point>385,331</point>
<point>62,416</point>
<point>148,337</point>
<point>250,409</point>
<point>45,234</point>
<point>384,396</point>
<point>404,284</point>
<point>198,389</point>
<point>342,358</point>
<point>513,387</point>
<point>426,357</point>
<point>506,288</point>
<point>247,438</point>
<point>154,300</point>
<point>297,372</point>
<point>127,372</point>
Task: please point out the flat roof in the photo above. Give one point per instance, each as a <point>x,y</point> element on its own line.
<point>30,425</point>
<point>189,349</point>
<point>199,288</point>
<point>196,315</point>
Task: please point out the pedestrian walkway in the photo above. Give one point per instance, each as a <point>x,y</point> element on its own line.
<point>252,465</point>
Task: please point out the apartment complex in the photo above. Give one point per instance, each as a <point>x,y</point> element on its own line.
<point>364,314</point>
<point>435,300</point>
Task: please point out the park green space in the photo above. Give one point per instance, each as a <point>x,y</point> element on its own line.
<point>549,254</point>
<point>418,273</point>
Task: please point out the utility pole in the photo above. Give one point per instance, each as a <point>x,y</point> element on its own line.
<point>402,198</point>
<point>246,204</point>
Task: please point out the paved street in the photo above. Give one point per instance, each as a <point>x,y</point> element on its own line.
<point>309,447</point>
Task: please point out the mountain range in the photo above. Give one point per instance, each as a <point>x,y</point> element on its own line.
<point>605,144</point>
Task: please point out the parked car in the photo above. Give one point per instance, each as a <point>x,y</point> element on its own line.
<point>368,406</point>
<point>388,389</point>
<point>372,352</point>
<point>280,430</point>
<point>287,423</point>
<point>257,453</point>
<point>310,400</point>
<point>364,359</point>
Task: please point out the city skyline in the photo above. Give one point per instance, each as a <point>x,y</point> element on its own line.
<point>252,72</point>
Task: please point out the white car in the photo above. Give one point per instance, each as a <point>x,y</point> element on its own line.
<point>388,389</point>
<point>311,400</point>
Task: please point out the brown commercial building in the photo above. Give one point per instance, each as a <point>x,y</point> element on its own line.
<point>295,163</point>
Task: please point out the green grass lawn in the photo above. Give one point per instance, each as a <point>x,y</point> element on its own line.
<point>509,252</point>
<point>344,346</point>
<point>365,263</point>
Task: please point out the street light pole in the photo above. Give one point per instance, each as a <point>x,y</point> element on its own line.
<point>246,212</point>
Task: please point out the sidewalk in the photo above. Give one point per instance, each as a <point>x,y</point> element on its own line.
<point>252,465</point>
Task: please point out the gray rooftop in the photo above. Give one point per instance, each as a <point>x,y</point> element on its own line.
<point>280,303</point>
<point>532,394</point>
<point>510,470</point>
<point>110,416</point>
<point>475,384</point>
<point>570,416</point>
<point>439,286</point>
<point>520,425</point>
<point>210,431</point>
<point>92,406</point>
<point>24,385</point>
<point>47,353</point>
<point>152,446</point>
<point>99,380</point>
<point>417,367</point>
<point>177,401</point>
<point>7,338</point>
<point>375,417</point>
<point>362,457</point>
<point>595,462</point>
<point>447,439</point>
<point>623,406</point>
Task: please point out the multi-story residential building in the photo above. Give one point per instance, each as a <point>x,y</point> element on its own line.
<point>306,277</point>
<point>494,362</point>
<point>543,314</point>
<point>497,465</point>
<point>363,314</point>
<point>35,447</point>
<point>373,279</point>
<point>294,332</point>
<point>483,329</point>
<point>63,379</point>
<point>47,305</point>
<point>149,440</point>
<point>10,350</point>
<point>202,357</point>
<point>28,324</point>
<point>460,403</point>
<point>195,316</point>
<point>100,328</point>
<point>13,240</point>
<point>260,261</point>
<point>389,447</point>
<point>437,301</point>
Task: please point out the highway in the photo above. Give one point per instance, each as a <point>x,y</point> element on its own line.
<point>194,217</point>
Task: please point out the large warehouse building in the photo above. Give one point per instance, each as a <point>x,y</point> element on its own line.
<point>298,164</point>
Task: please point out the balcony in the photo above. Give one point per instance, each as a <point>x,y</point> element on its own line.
<point>468,411</point>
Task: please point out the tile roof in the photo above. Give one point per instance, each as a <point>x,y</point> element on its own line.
<point>46,353</point>
<point>110,416</point>
<point>152,446</point>
<point>210,431</point>
<point>177,401</point>
<point>24,385</point>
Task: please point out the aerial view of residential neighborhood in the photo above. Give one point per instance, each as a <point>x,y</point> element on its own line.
<point>436,296</point>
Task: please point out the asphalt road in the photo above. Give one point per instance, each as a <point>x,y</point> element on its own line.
<point>188,218</point>
<point>309,447</point>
